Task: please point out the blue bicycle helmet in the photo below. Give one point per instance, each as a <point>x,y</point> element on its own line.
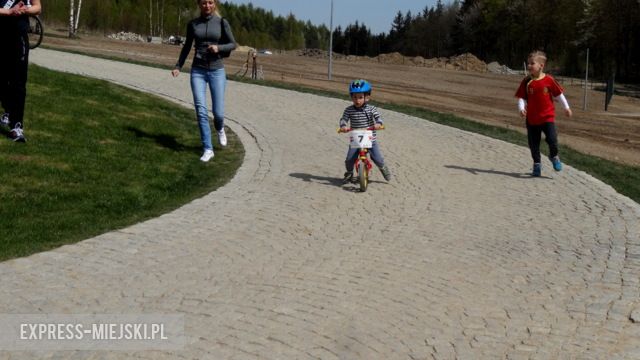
<point>360,86</point>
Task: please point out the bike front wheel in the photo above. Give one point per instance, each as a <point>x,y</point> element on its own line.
<point>363,176</point>
<point>35,32</point>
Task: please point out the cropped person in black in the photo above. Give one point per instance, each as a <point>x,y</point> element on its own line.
<point>14,62</point>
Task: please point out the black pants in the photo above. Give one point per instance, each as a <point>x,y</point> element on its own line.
<point>14,64</point>
<point>534,135</point>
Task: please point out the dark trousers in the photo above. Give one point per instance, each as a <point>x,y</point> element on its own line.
<point>534,135</point>
<point>14,64</point>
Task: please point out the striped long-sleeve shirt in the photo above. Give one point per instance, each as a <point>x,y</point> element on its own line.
<point>363,117</point>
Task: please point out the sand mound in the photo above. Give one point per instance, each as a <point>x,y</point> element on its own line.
<point>496,68</point>
<point>465,62</point>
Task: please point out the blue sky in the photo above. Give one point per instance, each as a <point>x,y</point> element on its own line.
<point>377,15</point>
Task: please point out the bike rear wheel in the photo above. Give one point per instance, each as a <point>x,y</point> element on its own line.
<point>35,32</point>
<point>363,176</point>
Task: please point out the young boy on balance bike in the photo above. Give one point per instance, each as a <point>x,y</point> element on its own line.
<point>362,115</point>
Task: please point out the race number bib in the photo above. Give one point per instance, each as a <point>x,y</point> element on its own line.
<point>361,139</point>
<point>8,4</point>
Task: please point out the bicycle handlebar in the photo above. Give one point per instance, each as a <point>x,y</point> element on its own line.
<point>340,130</point>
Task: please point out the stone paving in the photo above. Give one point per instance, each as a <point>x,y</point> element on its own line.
<point>461,256</point>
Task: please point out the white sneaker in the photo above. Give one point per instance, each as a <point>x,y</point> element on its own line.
<point>4,119</point>
<point>206,156</point>
<point>222,138</point>
<point>17,134</point>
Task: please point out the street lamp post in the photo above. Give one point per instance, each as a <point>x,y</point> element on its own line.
<point>331,41</point>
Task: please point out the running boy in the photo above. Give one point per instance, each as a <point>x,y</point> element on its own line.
<point>535,102</point>
<point>362,115</point>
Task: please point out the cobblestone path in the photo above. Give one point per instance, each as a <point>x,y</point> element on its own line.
<point>461,256</point>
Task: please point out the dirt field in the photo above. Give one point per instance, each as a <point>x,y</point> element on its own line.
<point>484,97</point>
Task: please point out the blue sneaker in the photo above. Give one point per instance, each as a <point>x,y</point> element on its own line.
<point>537,170</point>
<point>557,165</point>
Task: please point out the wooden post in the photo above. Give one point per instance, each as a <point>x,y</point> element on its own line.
<point>254,65</point>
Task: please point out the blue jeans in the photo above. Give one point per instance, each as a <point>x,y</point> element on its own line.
<point>374,152</point>
<point>217,80</point>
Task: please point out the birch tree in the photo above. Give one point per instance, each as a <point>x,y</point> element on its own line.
<point>74,17</point>
<point>156,23</point>
<point>75,28</point>
<point>71,22</point>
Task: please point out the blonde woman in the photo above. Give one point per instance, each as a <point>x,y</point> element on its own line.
<point>212,39</point>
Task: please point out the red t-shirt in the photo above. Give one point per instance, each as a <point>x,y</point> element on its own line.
<point>539,94</point>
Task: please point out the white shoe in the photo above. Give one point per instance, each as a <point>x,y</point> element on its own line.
<point>206,156</point>
<point>222,138</point>
<point>17,134</point>
<point>4,120</point>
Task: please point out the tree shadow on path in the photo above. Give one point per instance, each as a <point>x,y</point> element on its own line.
<point>476,171</point>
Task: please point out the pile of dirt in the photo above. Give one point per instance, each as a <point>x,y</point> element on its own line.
<point>314,53</point>
<point>435,63</point>
<point>394,58</point>
<point>495,68</point>
<point>418,60</point>
<point>466,62</point>
<point>320,54</point>
<point>126,36</point>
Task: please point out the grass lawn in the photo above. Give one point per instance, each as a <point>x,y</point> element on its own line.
<point>98,157</point>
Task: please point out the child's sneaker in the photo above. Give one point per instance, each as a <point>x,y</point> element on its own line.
<point>537,170</point>
<point>207,155</point>
<point>348,176</point>
<point>557,164</point>
<point>385,172</point>
<point>4,119</point>
<point>222,138</point>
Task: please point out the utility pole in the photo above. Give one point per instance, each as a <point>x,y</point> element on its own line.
<point>586,79</point>
<point>331,41</point>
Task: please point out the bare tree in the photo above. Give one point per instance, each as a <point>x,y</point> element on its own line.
<point>74,17</point>
<point>71,22</point>
<point>75,29</point>
<point>150,17</point>
<point>156,24</point>
<point>162,19</point>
